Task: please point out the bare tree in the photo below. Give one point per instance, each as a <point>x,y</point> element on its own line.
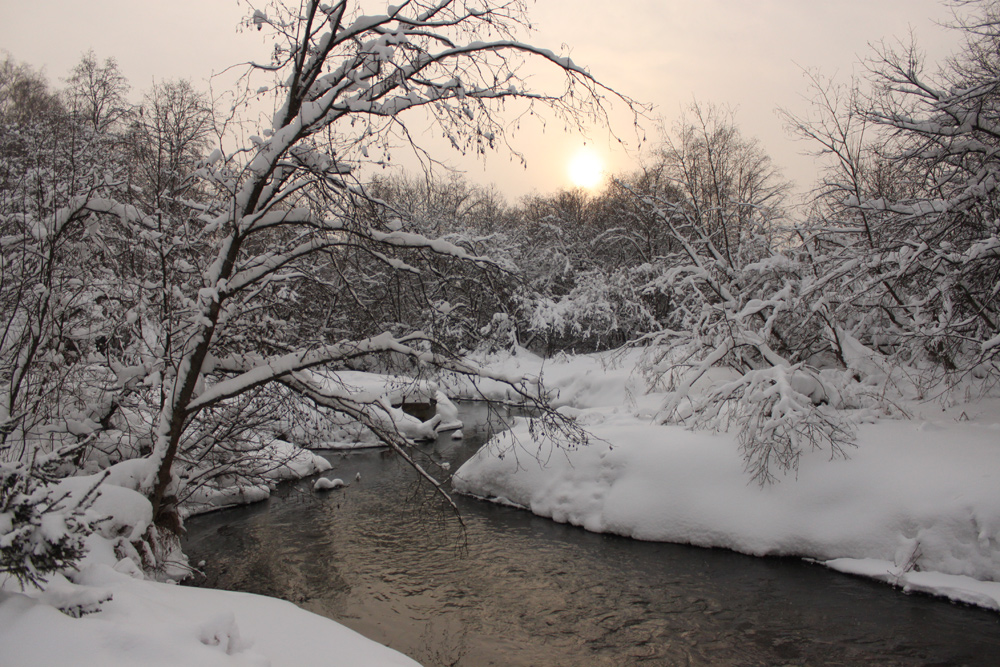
<point>174,128</point>
<point>24,95</point>
<point>97,93</point>
<point>729,182</point>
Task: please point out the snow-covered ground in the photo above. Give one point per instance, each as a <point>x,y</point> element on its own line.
<point>108,613</point>
<point>916,503</point>
<point>148,623</point>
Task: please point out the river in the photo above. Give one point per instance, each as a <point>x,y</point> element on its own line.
<point>386,558</point>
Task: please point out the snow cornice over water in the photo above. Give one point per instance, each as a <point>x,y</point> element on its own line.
<point>916,503</point>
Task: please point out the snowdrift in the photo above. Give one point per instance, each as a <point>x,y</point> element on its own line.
<point>916,503</point>
<point>109,614</point>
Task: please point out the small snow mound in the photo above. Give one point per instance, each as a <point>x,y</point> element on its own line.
<point>325,484</point>
<point>447,412</point>
<point>457,435</point>
<point>223,632</point>
<point>128,567</point>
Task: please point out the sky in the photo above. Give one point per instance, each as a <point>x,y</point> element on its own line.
<point>748,55</point>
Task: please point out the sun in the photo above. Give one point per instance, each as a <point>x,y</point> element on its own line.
<point>586,169</point>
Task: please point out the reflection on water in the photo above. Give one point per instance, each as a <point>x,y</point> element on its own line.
<point>385,558</point>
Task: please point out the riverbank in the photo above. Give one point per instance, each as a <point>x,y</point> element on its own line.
<point>107,613</point>
<point>148,623</point>
<point>916,503</point>
<point>514,589</point>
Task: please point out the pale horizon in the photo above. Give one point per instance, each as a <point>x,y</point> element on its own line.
<point>750,58</point>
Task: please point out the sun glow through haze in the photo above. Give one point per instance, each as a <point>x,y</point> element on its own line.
<point>586,168</point>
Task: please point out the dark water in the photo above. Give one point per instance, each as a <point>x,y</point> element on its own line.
<point>384,558</point>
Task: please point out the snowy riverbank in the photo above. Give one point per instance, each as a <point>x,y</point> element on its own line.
<point>916,503</point>
<point>108,613</point>
<point>148,623</point>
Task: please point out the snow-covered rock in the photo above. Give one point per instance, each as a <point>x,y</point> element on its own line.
<point>325,484</point>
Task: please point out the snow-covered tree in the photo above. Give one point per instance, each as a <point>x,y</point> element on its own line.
<point>204,330</point>
<point>54,286</point>
<point>888,289</point>
<point>736,346</point>
<point>905,231</point>
<point>592,260</point>
<point>42,531</point>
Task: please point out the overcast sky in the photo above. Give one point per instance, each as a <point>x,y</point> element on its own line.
<point>748,54</point>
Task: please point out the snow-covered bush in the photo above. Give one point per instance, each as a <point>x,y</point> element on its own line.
<point>780,412</point>
<point>739,345</point>
<point>888,290</point>
<point>42,531</point>
<point>602,310</point>
<point>905,231</point>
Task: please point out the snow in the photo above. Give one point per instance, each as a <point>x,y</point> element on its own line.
<point>580,382</point>
<point>448,413</point>
<point>379,392</point>
<point>107,614</point>
<point>149,623</point>
<point>954,587</point>
<point>271,463</point>
<point>326,484</point>
<point>921,497</point>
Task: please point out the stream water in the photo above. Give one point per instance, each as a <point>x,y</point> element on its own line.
<point>384,557</point>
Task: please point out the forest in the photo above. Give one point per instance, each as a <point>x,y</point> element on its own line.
<point>190,287</point>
